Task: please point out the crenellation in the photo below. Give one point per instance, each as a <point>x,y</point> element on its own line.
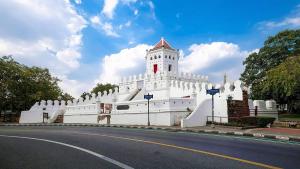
<point>86,98</point>
<point>49,103</point>
<point>110,92</point>
<point>56,103</point>
<point>210,85</point>
<point>69,103</point>
<point>74,102</point>
<point>62,103</point>
<point>80,100</point>
<point>99,95</point>
<point>197,87</point>
<point>204,87</point>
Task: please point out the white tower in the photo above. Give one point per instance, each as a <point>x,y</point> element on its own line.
<point>162,59</point>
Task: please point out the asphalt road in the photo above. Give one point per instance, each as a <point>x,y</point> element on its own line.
<point>100,147</point>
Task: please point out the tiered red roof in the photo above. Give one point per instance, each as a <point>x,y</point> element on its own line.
<point>162,44</point>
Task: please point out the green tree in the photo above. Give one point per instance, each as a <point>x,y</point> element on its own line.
<point>103,87</point>
<point>99,88</point>
<point>66,97</point>
<point>283,83</point>
<point>84,94</point>
<point>21,86</point>
<point>276,50</point>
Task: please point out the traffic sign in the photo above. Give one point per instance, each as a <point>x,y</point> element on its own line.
<point>148,96</point>
<point>212,91</point>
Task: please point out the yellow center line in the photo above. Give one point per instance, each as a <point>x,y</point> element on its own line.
<point>184,148</point>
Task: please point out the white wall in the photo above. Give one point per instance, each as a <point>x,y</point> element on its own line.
<point>35,113</point>
<point>264,108</point>
<point>204,104</point>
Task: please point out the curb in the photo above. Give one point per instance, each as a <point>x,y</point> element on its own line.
<point>169,129</point>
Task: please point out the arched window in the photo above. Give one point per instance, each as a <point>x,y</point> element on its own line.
<point>150,58</point>
<point>158,56</point>
<point>155,57</point>
<point>169,56</point>
<point>173,58</point>
<point>166,56</point>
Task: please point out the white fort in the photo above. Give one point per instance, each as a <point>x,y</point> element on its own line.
<point>178,98</point>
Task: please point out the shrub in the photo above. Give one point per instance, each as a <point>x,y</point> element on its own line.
<point>257,121</point>
<point>249,121</point>
<point>264,121</point>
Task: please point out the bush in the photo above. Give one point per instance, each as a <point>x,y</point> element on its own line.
<point>264,121</point>
<point>249,121</point>
<point>257,121</point>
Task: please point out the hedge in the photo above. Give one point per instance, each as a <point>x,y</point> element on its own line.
<point>257,121</point>
<point>248,121</point>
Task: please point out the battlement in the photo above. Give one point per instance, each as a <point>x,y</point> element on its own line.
<point>49,104</point>
<point>262,104</point>
<point>132,78</point>
<point>193,77</point>
<point>165,75</point>
<point>56,104</point>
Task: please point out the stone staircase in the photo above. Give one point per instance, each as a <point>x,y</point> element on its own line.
<point>59,119</point>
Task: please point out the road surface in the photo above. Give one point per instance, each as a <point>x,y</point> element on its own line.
<point>104,147</point>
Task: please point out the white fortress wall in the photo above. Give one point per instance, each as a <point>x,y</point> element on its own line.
<point>87,111</point>
<point>264,108</point>
<point>128,86</point>
<point>162,112</point>
<point>35,113</point>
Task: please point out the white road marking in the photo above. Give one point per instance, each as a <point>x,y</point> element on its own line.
<point>75,147</point>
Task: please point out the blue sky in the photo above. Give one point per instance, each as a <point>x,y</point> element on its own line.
<point>88,41</point>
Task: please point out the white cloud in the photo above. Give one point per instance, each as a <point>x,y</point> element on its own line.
<point>152,9</point>
<point>77,1</point>
<point>70,57</point>
<point>127,61</point>
<point>205,55</point>
<point>95,20</point>
<point>290,21</point>
<point>214,59</point>
<point>128,23</point>
<point>42,33</point>
<point>136,12</point>
<point>75,87</point>
<point>108,29</point>
<point>127,2</point>
<point>151,4</point>
<point>106,26</point>
<point>109,7</point>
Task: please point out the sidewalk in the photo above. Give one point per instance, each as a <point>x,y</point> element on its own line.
<point>277,131</point>
<point>289,134</point>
